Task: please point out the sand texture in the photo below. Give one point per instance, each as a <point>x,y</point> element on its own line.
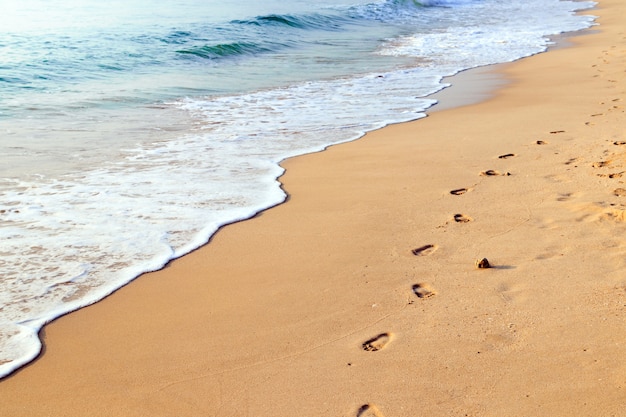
<point>360,296</point>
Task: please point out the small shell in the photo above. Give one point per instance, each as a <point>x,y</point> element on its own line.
<point>482,263</point>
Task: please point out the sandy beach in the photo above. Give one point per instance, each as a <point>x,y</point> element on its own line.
<point>360,295</point>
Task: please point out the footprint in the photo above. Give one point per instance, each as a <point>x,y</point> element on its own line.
<point>462,218</point>
<point>507,155</point>
<point>459,191</point>
<point>600,164</point>
<point>542,142</point>
<point>554,132</point>
<point>508,292</point>
<point>369,410</point>
<point>619,142</point>
<point>566,196</point>
<point>573,161</point>
<point>558,178</point>
<point>493,173</point>
<point>612,175</point>
<point>424,250</point>
<point>619,192</point>
<point>423,290</point>
<point>377,343</point>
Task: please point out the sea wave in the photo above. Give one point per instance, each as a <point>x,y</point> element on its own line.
<point>404,11</point>
<point>308,21</point>
<point>224,50</point>
<point>440,3</point>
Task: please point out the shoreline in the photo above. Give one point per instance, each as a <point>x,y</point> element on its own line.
<point>334,303</point>
<point>476,85</point>
<point>472,86</point>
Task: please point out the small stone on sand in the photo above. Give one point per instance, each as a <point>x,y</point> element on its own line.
<point>482,264</point>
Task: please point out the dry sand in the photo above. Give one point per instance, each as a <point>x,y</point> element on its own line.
<point>359,296</point>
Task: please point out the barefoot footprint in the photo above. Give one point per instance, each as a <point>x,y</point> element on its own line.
<point>459,191</point>
<point>462,218</point>
<point>369,410</point>
<point>493,172</point>
<point>424,250</point>
<point>376,343</point>
<point>423,290</point>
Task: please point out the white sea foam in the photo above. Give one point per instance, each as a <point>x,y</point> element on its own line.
<point>160,201</point>
<point>500,39</point>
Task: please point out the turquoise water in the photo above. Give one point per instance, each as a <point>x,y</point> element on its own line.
<point>132,130</point>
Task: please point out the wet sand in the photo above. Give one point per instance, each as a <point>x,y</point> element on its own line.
<point>360,296</point>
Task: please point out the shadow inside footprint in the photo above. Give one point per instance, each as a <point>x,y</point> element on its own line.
<point>424,250</point>
<point>376,343</point>
<point>423,290</point>
<point>506,155</point>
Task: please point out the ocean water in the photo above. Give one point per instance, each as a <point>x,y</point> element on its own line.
<point>130,131</point>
